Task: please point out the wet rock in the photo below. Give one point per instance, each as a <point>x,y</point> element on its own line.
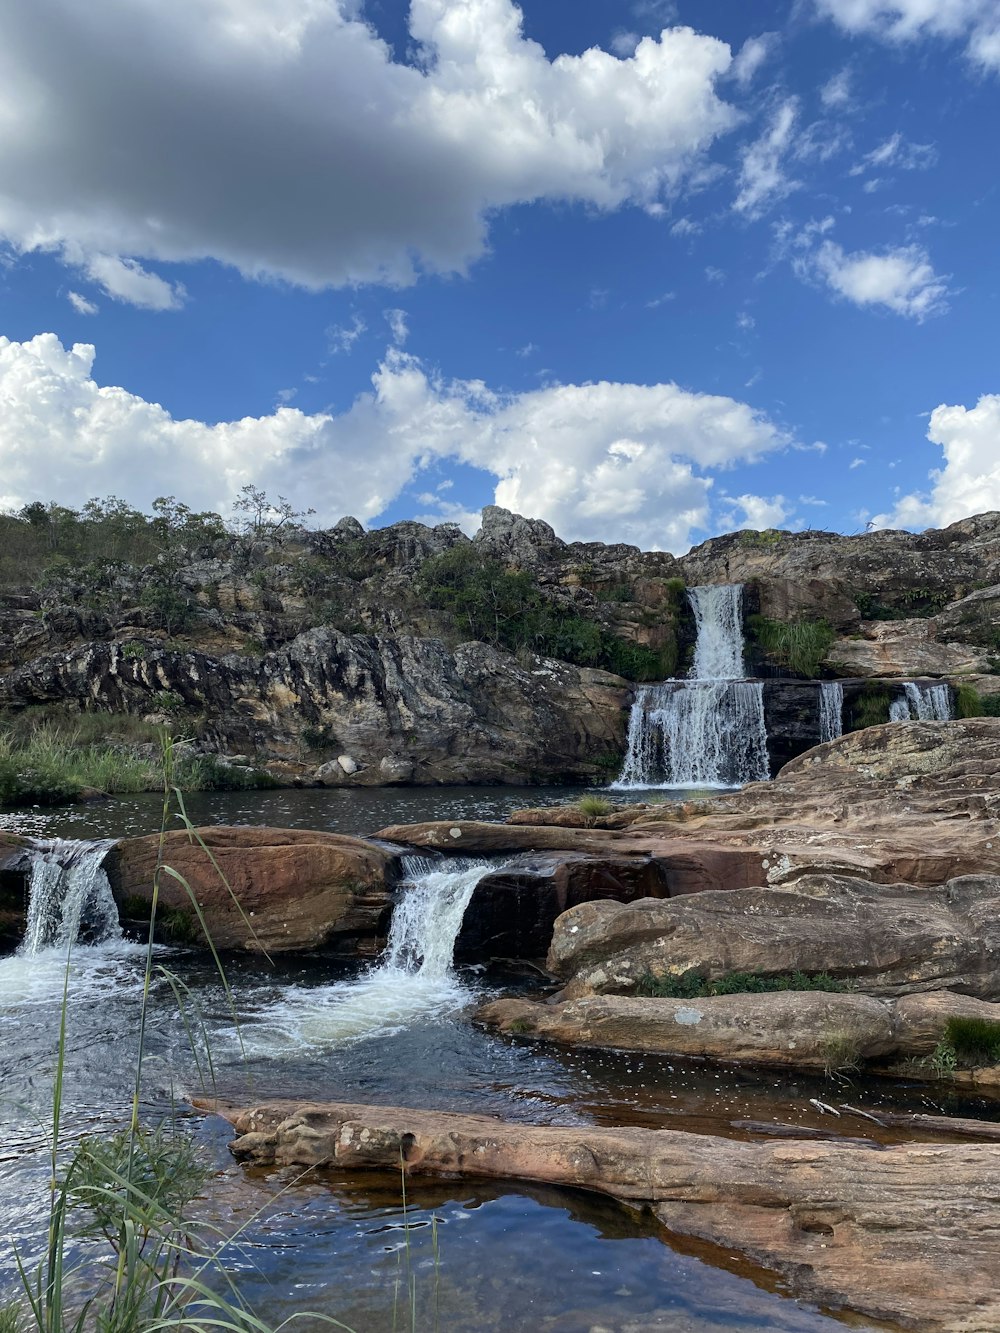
<point>892,939</point>
<point>906,1233</point>
<point>513,909</point>
<point>260,889</point>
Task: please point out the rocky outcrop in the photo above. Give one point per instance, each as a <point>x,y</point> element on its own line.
<point>825,575</point>
<point>13,890</point>
<point>816,1031</point>
<point>905,1233</point>
<point>889,939</point>
<point>905,649</point>
<point>787,1029</point>
<point>401,709</point>
<point>258,889</point>
<point>513,909</point>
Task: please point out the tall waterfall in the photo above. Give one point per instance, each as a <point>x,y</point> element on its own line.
<point>831,710</point>
<point>69,897</point>
<point>923,702</point>
<point>707,731</point>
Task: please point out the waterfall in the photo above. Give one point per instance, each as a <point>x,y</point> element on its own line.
<point>69,897</point>
<point>718,615</point>
<point>413,981</point>
<point>922,701</point>
<point>707,731</point>
<point>831,710</point>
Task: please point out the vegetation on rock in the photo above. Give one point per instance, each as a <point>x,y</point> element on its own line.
<point>799,645</point>
<point>695,985</point>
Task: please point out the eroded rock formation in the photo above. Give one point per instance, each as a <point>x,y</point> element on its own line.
<point>906,1232</point>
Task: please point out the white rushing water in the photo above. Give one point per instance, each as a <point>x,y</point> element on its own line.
<point>69,896</point>
<point>922,702</point>
<point>831,710</point>
<point>718,615</point>
<point>414,979</point>
<point>709,730</point>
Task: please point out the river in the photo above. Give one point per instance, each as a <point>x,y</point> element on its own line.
<point>484,1257</point>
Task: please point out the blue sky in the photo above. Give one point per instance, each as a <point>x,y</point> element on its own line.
<point>648,271</point>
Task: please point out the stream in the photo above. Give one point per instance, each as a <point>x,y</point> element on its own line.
<point>484,1256</point>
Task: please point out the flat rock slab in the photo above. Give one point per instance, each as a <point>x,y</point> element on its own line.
<point>798,1029</point>
<point>909,1233</point>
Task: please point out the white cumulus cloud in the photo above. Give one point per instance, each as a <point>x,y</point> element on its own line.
<point>969,481</point>
<point>902,280</point>
<point>625,462</point>
<point>283,138</point>
<point>976,22</point>
<point>759,512</point>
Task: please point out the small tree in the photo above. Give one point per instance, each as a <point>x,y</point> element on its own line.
<point>258,516</point>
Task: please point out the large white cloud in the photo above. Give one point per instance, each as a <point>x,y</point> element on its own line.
<point>281,136</point>
<point>621,462</point>
<point>976,22</point>
<point>969,481</point>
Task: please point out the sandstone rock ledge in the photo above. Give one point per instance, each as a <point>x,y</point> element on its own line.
<point>908,1233</point>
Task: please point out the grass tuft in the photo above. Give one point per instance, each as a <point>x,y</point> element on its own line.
<point>799,645</point>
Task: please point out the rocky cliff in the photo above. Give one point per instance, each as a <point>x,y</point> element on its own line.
<point>417,654</point>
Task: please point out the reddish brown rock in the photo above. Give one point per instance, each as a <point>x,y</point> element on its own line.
<point>260,889</point>
<point>909,1233</point>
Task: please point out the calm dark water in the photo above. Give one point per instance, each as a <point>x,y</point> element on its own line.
<point>343,810</point>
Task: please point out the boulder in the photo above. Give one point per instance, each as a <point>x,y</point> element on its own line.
<point>811,1030</point>
<point>906,1233</point>
<point>261,890</point>
<point>892,939</point>
<point>920,1019</point>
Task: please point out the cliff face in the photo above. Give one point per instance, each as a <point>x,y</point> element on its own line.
<point>378,710</point>
<point>417,654</point>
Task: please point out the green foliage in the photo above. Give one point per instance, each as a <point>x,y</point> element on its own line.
<point>907,603</point>
<point>970,703</point>
<point>841,1051</point>
<point>205,773</point>
<point>507,609</point>
<point>49,767</point>
<point>799,645</point>
<point>765,539</point>
<point>870,708</point>
<point>593,807</point>
<point>975,1041</point>
<point>173,610</point>
<point>694,985</point>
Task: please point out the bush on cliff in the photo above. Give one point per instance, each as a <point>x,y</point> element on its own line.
<point>970,703</point>
<point>506,609</point>
<point>798,645</point>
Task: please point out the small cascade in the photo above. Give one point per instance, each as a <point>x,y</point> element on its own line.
<point>922,702</point>
<point>428,916</point>
<point>831,710</point>
<point>414,981</point>
<point>709,730</point>
<point>69,897</point>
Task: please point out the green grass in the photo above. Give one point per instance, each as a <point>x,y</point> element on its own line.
<point>870,708</point>
<point>694,985</point>
<point>52,765</point>
<point>975,1041</point>
<point>970,703</point>
<point>799,645</point>
<point>593,807</point>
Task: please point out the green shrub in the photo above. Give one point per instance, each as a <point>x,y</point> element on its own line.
<point>975,1041</point>
<point>205,773</point>
<point>694,985</point>
<point>799,645</point>
<point>593,807</point>
<point>970,703</point>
